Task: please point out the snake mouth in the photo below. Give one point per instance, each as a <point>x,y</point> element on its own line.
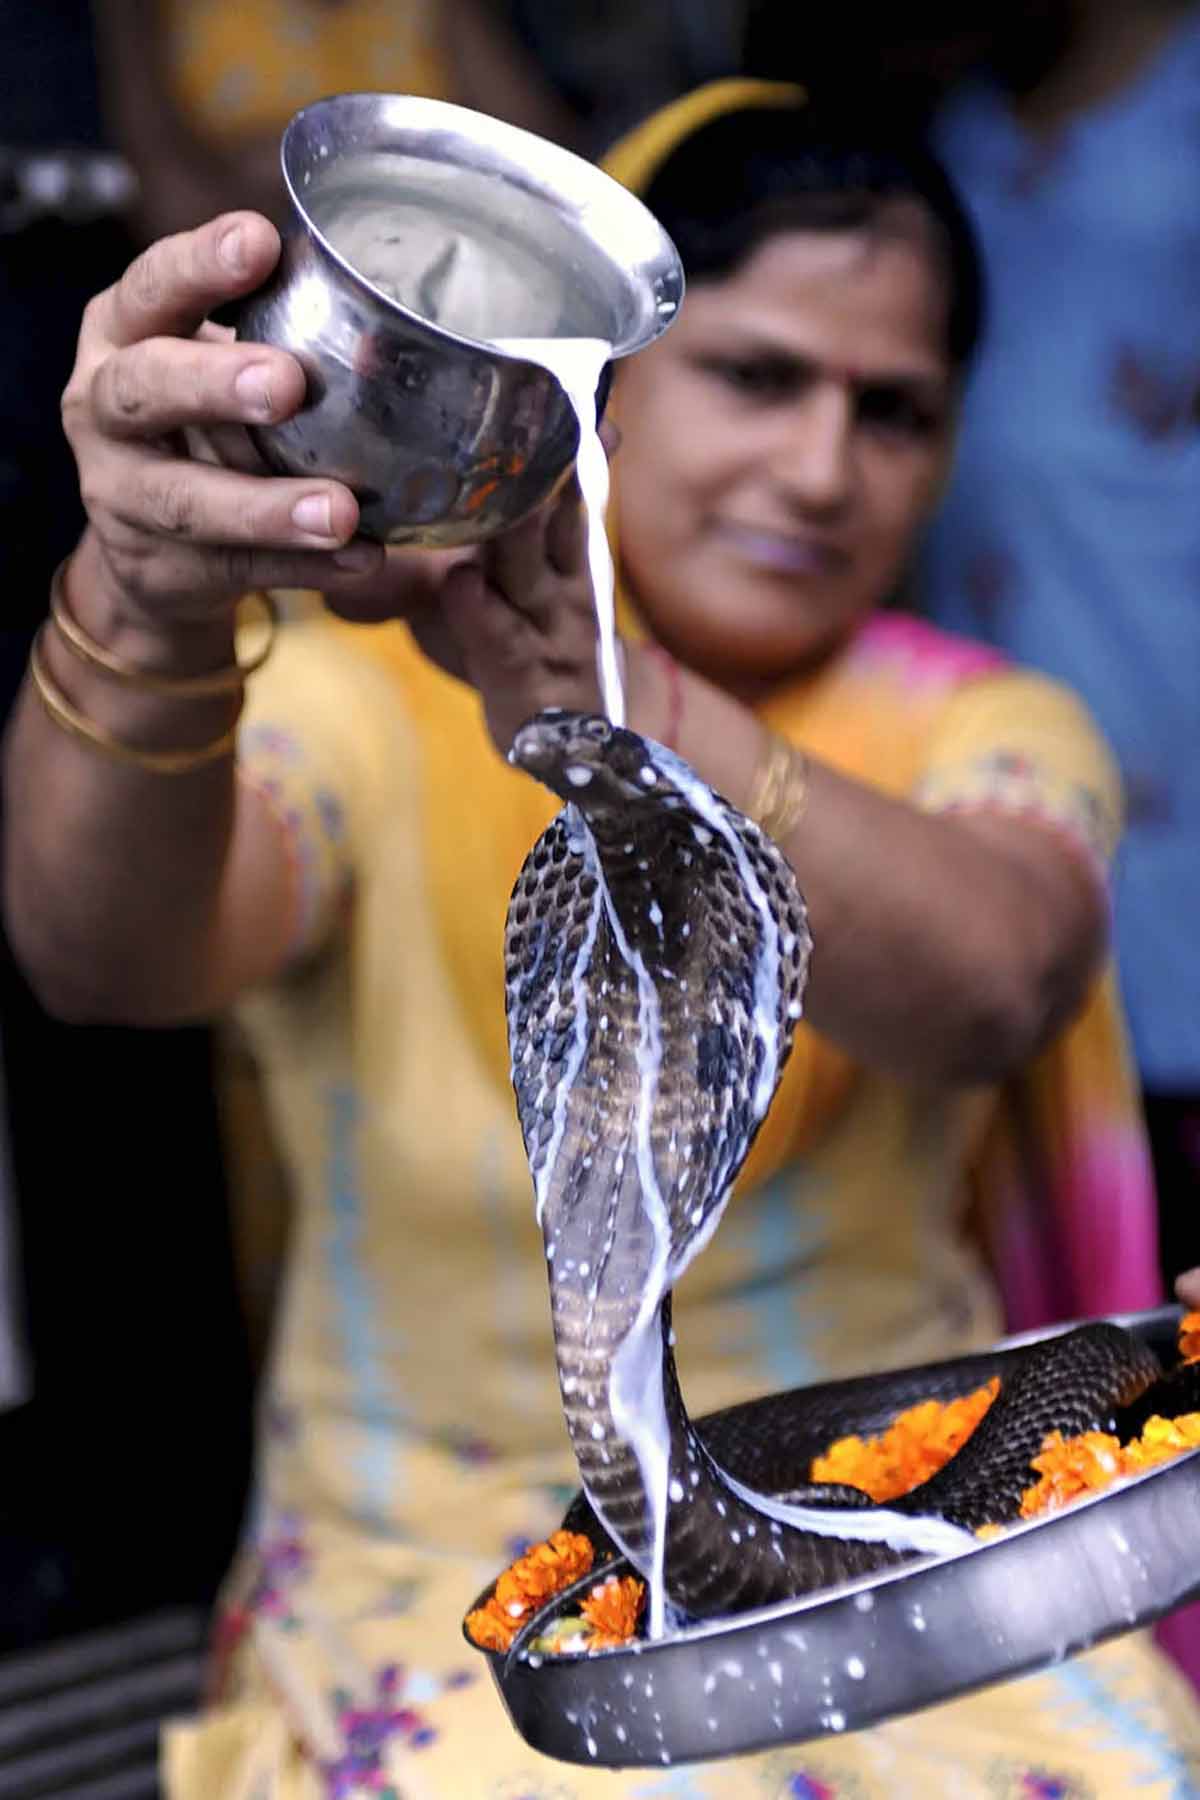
<point>555,735</point>
<point>583,758</point>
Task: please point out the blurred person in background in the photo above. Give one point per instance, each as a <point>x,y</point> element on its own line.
<point>118,1310</point>
<point>1070,534</point>
<point>615,61</point>
<point>198,91</point>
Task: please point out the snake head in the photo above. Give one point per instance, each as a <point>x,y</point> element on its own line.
<point>582,758</point>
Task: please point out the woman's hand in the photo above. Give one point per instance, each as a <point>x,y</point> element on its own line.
<point>517,620</point>
<point>1187,1288</point>
<point>173,541</point>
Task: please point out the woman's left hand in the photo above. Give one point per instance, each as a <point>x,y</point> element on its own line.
<point>521,617</point>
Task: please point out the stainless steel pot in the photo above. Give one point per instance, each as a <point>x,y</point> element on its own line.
<point>423,233</point>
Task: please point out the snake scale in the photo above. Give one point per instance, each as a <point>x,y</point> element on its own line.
<point>656,951</point>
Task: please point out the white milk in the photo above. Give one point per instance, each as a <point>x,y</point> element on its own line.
<point>577,364</point>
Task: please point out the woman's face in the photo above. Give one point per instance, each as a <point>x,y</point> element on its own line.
<point>781,447</point>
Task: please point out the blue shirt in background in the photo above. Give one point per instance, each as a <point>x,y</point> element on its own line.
<point>1071,534</point>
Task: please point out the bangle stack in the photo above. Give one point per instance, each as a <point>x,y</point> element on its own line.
<point>76,724</point>
<point>779,796</point>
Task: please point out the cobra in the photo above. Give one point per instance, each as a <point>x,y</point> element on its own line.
<point>656,952</point>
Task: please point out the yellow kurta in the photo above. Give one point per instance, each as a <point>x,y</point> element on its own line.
<point>412,1432</point>
<point>242,67</point>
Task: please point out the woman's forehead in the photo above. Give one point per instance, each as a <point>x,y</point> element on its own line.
<point>872,297</point>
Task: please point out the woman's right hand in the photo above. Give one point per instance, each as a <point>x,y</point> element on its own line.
<point>1187,1288</point>
<point>173,540</point>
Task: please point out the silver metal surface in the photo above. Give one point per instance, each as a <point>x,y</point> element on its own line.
<point>889,1644</point>
<point>422,233</point>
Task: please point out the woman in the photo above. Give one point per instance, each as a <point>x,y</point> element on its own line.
<point>781,448</point>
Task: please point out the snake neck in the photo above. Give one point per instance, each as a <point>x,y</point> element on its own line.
<point>705,1548</point>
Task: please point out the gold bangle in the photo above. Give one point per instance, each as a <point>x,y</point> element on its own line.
<point>76,725</point>
<point>182,687</point>
<point>779,796</point>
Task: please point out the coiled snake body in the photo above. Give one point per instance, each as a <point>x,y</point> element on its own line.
<point>656,951</point>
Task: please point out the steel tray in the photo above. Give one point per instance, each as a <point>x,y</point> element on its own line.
<point>880,1646</point>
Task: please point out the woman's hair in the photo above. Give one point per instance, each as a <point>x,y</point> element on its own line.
<point>748,175</point>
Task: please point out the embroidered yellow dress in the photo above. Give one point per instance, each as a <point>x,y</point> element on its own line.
<point>242,67</point>
<point>412,1432</point>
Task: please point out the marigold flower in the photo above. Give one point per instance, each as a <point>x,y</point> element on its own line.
<point>915,1446</point>
<point>543,1571</point>
<point>489,1630</point>
<point>1189,1337</point>
<point>1071,1467</point>
<point>611,1610</point>
<point>1074,1466</point>
<point>1161,1440</point>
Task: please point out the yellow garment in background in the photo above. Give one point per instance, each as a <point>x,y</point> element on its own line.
<point>242,67</point>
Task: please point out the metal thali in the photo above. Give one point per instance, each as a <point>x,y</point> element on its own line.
<point>890,1643</point>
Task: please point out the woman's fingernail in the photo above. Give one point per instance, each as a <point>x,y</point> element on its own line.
<point>314,514</point>
<point>357,556</point>
<point>253,389</point>
<point>232,249</point>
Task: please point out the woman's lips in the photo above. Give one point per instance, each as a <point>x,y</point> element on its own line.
<point>783,553</point>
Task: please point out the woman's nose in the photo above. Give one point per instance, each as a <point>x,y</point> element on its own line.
<point>814,461</point>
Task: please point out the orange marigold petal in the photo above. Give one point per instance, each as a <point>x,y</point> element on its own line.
<point>1189,1337</point>
<point>611,1610</point>
<point>1162,1439</point>
<point>489,1630</point>
<point>915,1446</point>
<point>1069,1467</point>
<point>535,1577</point>
<point>1072,1467</point>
